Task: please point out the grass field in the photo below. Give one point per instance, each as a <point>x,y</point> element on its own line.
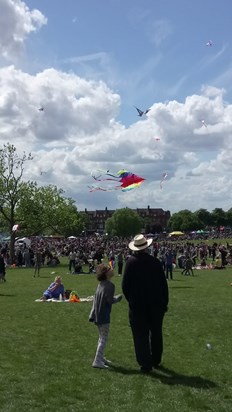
<point>47,349</point>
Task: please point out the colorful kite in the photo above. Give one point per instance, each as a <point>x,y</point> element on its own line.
<point>141,112</point>
<point>127,180</point>
<point>164,177</point>
<point>131,187</point>
<point>112,263</point>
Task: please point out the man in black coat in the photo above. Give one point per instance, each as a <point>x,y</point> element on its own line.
<point>145,288</point>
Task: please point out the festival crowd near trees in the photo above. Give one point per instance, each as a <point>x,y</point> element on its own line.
<point>44,210</point>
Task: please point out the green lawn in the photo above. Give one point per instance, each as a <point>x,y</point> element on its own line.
<point>47,349</point>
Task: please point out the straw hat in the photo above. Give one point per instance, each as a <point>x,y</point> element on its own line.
<point>139,243</point>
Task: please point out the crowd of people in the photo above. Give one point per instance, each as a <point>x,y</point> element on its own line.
<point>85,252</point>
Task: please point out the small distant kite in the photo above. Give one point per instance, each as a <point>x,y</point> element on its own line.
<point>203,123</point>
<point>15,228</point>
<point>41,109</point>
<point>209,43</point>
<point>128,181</point>
<point>157,138</point>
<point>141,112</point>
<point>164,177</point>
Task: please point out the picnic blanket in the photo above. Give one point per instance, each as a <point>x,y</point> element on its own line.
<point>87,299</point>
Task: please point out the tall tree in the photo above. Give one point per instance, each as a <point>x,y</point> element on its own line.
<point>124,222</point>
<point>11,187</point>
<point>229,217</point>
<point>44,210</point>
<point>184,220</point>
<point>219,217</point>
<point>204,216</point>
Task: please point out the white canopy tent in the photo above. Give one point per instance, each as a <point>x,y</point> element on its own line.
<point>22,241</point>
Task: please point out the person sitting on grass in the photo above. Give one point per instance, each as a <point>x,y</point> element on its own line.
<point>54,290</point>
<point>53,261</point>
<point>218,263</point>
<point>203,263</point>
<point>78,266</point>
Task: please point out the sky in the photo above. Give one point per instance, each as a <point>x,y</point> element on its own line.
<point>89,64</point>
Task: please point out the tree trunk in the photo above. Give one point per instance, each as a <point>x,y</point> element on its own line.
<point>12,248</point>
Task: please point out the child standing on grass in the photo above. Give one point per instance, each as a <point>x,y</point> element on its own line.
<point>38,262</point>
<point>100,312</point>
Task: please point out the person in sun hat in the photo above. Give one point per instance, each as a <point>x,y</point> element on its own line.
<point>144,286</point>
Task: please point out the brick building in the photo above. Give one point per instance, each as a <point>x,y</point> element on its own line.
<point>155,219</point>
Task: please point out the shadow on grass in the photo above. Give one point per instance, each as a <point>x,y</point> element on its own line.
<point>7,295</point>
<point>181,287</point>
<point>169,377</point>
<point>174,281</point>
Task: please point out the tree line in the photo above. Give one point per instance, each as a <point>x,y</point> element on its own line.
<point>185,220</point>
<point>126,222</point>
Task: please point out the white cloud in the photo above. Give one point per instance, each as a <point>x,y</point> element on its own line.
<point>17,21</point>
<point>73,107</point>
<point>212,58</point>
<point>102,57</point>
<point>78,132</point>
<point>224,78</point>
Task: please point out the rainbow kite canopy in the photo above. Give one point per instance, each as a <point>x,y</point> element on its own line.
<point>128,180</point>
